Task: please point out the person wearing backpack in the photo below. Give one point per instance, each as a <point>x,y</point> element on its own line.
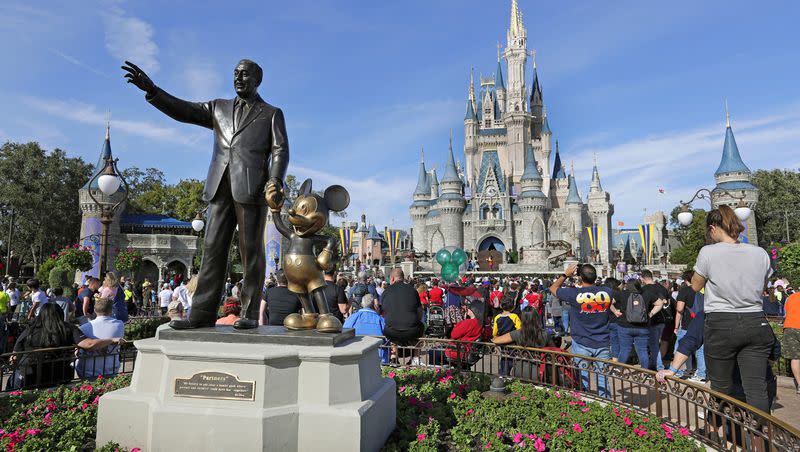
<point>634,311</point>
<point>688,304</point>
<point>652,291</point>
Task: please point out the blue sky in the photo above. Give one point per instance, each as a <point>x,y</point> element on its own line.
<point>365,84</point>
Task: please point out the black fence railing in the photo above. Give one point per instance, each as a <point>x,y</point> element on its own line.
<point>712,418</point>
<point>54,366</point>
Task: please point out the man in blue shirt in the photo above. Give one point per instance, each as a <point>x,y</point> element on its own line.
<point>92,364</point>
<point>367,322</point>
<point>588,307</point>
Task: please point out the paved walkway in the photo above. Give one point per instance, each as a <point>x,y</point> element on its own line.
<point>786,403</point>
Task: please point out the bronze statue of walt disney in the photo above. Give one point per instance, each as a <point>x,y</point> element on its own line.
<point>304,269</point>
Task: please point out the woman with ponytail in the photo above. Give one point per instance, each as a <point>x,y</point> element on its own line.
<point>737,333</point>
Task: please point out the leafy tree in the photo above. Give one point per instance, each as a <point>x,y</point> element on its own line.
<point>790,262</point>
<point>39,199</point>
<point>149,193</point>
<point>778,201</point>
<point>691,237</point>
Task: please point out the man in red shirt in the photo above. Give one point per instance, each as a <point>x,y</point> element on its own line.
<point>436,294</point>
<point>534,298</point>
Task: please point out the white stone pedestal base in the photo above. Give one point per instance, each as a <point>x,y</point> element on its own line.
<point>305,398</point>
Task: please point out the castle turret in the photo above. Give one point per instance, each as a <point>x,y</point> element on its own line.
<point>533,203</point>
<point>500,84</point>
<point>734,182</point>
<point>600,211</point>
<point>471,128</point>
<point>536,103</point>
<point>419,208</point>
<point>575,209</point>
<point>91,227</point>
<point>559,185</point>
<point>451,202</point>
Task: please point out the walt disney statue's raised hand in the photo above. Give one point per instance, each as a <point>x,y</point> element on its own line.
<point>138,78</point>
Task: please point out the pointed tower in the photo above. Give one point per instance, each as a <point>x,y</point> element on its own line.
<point>91,228</point>
<point>499,82</point>
<point>734,181</point>
<point>434,181</point>
<point>419,209</point>
<point>544,150</point>
<point>451,202</point>
<point>536,102</point>
<point>574,207</point>
<point>559,185</point>
<point>516,54</point>
<point>600,212</point>
<point>471,128</point>
<point>533,204</point>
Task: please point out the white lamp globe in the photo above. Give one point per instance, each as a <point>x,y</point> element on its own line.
<point>742,212</point>
<point>108,183</point>
<point>198,225</point>
<point>685,218</point>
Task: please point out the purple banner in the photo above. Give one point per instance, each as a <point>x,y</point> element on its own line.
<point>92,233</point>
<point>272,248</point>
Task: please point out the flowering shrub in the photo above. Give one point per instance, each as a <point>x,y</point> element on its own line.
<point>62,418</point>
<point>143,328</point>
<point>75,257</point>
<point>128,260</point>
<point>445,411</point>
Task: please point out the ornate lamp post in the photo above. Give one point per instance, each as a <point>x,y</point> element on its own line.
<point>108,180</point>
<point>741,210</point>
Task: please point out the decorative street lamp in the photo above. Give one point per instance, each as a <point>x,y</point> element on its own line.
<point>741,210</point>
<point>108,180</point>
<point>199,223</point>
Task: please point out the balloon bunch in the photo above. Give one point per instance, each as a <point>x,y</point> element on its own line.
<point>450,261</point>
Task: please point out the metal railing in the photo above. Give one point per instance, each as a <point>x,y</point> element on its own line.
<point>61,365</point>
<point>714,419</point>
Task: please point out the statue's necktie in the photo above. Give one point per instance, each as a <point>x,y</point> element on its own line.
<point>240,106</point>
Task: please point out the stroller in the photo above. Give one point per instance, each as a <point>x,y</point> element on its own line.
<point>436,323</point>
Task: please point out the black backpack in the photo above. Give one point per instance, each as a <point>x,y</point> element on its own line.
<point>636,309</point>
<point>359,290</point>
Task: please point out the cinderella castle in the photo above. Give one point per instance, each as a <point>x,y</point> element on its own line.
<point>513,200</point>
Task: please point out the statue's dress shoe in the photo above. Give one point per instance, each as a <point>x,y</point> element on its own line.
<point>327,323</point>
<point>297,321</point>
<point>188,324</point>
<point>245,324</point>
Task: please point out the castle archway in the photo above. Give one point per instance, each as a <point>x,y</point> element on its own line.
<point>490,253</point>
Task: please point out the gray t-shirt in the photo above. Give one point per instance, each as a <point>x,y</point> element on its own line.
<point>735,275</point>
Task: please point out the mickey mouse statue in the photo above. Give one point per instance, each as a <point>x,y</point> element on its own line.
<point>303,268</point>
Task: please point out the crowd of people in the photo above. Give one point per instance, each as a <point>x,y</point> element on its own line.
<point>708,324</point>
<point>51,324</point>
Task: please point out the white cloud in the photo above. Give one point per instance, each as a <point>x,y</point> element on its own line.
<point>89,114</point>
<point>78,62</point>
<point>384,200</point>
<point>683,161</point>
<point>202,80</point>
<point>130,38</point>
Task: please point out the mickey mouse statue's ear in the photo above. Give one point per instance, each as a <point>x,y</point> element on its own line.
<point>305,189</point>
<point>337,198</point>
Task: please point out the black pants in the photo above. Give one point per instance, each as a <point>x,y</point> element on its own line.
<point>224,214</point>
<point>744,340</point>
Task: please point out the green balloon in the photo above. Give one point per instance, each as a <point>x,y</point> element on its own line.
<point>459,256</point>
<point>450,272</point>
<point>443,257</point>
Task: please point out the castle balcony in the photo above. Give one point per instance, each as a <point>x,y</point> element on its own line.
<point>496,223</point>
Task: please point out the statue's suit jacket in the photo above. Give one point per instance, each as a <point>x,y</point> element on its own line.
<point>254,153</point>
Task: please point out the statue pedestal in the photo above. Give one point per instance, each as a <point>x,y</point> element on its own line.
<point>263,389</point>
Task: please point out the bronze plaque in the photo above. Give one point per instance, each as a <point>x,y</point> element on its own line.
<point>215,385</point>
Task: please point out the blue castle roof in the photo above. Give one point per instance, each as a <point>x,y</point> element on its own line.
<point>373,233</point>
<point>153,221</point>
<point>105,154</point>
<point>498,81</point>
<point>470,111</point>
<point>558,168</point>
<point>546,126</point>
<point>490,160</point>
<point>423,184</point>
<point>731,160</point>
<point>531,172</point>
<point>573,197</point>
<point>450,171</point>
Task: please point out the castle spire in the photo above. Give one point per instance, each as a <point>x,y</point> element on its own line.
<point>450,171</point>
<point>731,159</point>
<point>573,197</point>
<point>595,186</point>
<point>558,167</point>
<point>498,80</point>
<point>516,28</point>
